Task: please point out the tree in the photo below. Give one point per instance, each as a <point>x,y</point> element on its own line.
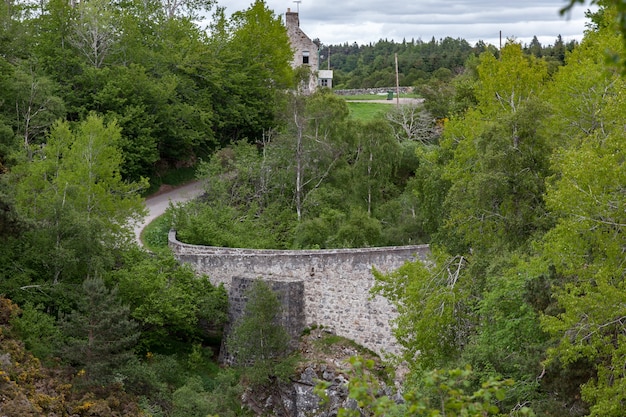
<point>95,31</point>
<point>36,103</point>
<point>499,155</point>
<point>586,82</point>
<point>616,9</point>
<point>257,341</point>
<point>412,122</point>
<point>183,9</point>
<point>136,101</point>
<point>73,191</point>
<point>432,304</point>
<point>315,141</point>
<point>586,248</point>
<point>170,303</point>
<point>535,47</point>
<point>258,54</point>
<point>374,162</point>
<point>100,335</point>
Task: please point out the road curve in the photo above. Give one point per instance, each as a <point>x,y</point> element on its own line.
<point>158,203</point>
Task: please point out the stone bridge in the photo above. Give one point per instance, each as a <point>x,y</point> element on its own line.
<point>319,287</point>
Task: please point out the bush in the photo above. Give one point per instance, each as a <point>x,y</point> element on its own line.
<point>37,330</point>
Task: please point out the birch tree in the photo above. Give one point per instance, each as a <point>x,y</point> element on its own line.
<point>74,192</point>
<point>95,31</point>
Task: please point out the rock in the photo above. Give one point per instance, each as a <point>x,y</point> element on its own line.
<point>309,376</point>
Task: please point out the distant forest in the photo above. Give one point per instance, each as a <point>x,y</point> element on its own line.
<point>372,65</point>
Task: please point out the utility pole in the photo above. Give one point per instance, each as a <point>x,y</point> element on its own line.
<point>298,5</point>
<point>397,84</point>
<point>328,57</point>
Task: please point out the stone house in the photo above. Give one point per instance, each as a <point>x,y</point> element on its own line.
<point>306,52</point>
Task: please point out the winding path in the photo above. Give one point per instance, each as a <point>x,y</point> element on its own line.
<point>158,203</point>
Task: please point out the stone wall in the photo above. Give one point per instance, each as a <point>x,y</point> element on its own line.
<point>379,90</point>
<point>336,282</point>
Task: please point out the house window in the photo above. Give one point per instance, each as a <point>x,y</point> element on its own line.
<point>324,82</point>
<point>305,57</point>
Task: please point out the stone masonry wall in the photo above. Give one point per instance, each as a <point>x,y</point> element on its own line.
<point>336,282</point>
<point>377,90</point>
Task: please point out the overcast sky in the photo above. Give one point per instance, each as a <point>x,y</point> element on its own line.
<point>365,21</point>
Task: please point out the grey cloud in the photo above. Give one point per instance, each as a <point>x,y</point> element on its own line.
<point>365,21</point>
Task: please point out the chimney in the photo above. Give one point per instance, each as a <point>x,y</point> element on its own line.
<point>292,19</point>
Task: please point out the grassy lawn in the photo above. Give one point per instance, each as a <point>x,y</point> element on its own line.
<point>368,111</point>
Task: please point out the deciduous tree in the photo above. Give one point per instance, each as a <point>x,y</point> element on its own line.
<point>73,191</point>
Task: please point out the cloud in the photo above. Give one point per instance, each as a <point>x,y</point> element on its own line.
<point>365,21</point>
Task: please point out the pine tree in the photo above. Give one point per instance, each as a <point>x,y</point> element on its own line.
<point>99,334</point>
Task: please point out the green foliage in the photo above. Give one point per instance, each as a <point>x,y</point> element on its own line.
<point>242,207</point>
<point>372,65</point>
<point>73,193</point>
<point>492,171</point>
<point>324,182</point>
<point>38,330</point>
<point>510,342</point>
<point>436,393</point>
<point>432,305</point>
<point>525,191</point>
<point>359,230</point>
<point>169,301</point>
<point>617,11</point>
<point>500,159</point>
<point>155,235</point>
<point>258,57</point>
<point>220,396</point>
<point>171,177</point>
<point>586,248</point>
<point>191,400</point>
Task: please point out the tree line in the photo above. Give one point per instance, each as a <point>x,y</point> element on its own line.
<point>373,65</point>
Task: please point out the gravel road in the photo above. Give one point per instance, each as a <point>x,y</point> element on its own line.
<point>158,203</point>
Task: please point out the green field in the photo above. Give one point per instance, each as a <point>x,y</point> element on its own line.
<point>368,111</point>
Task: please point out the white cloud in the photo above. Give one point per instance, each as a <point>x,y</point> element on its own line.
<point>365,21</point>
